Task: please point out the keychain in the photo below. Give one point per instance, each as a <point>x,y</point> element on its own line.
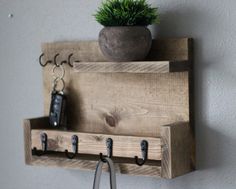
<point>57,112</point>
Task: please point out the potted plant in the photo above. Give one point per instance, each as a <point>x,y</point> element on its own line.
<point>125,36</point>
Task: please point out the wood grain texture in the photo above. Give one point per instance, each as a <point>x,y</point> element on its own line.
<point>121,103</point>
<point>27,141</point>
<point>127,104</point>
<point>130,67</point>
<point>173,150</point>
<point>123,146</point>
<point>121,168</point>
<point>172,49</point>
<point>28,125</point>
<point>132,105</point>
<point>176,150</point>
<point>86,162</point>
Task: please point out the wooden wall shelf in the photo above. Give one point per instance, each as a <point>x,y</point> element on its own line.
<point>131,67</point>
<point>172,145</point>
<point>105,100</point>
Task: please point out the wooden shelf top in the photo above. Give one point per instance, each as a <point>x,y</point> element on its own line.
<point>131,67</point>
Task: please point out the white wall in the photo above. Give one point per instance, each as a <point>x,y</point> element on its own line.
<point>210,22</point>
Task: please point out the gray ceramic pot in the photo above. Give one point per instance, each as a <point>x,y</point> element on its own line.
<point>125,43</point>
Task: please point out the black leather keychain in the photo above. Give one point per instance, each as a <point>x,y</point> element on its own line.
<point>57,117</point>
<point>57,112</point>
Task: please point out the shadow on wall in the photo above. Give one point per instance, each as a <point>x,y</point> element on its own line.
<point>189,22</point>
<point>179,22</point>
<point>212,146</point>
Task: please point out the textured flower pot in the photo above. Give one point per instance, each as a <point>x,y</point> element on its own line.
<point>125,43</point>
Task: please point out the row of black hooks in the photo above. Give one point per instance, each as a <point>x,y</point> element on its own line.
<point>55,60</point>
<point>75,144</point>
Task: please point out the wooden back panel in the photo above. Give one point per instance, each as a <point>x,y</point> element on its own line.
<point>122,103</point>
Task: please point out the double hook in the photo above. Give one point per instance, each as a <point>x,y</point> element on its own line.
<point>74,142</point>
<point>144,151</point>
<point>44,143</point>
<point>55,60</point>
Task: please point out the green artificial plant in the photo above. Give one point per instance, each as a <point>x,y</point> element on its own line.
<point>126,13</point>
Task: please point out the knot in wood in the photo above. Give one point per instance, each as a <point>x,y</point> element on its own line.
<point>110,120</point>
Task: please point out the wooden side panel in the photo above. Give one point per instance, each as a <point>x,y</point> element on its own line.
<point>28,125</point>
<point>27,140</point>
<point>123,146</point>
<point>177,151</point>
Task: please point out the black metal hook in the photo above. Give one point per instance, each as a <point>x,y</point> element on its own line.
<point>109,145</point>
<point>55,60</point>
<point>69,60</point>
<point>40,61</point>
<point>144,150</point>
<point>44,141</point>
<point>74,142</point>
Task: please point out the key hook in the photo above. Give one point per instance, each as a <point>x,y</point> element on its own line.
<point>55,60</point>
<point>74,142</point>
<point>44,141</point>
<point>109,145</point>
<point>144,150</point>
<point>40,61</point>
<point>69,60</point>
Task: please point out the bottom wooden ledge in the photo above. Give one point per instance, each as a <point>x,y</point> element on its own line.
<point>170,155</point>
<point>121,168</point>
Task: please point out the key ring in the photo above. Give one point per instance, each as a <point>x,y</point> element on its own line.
<point>98,173</point>
<point>61,73</point>
<point>55,84</point>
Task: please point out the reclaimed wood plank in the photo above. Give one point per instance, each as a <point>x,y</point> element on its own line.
<point>123,146</point>
<point>130,67</point>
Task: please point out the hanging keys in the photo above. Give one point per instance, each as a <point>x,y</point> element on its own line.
<point>57,117</point>
<point>57,113</point>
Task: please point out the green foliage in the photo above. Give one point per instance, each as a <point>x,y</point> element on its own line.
<point>126,13</point>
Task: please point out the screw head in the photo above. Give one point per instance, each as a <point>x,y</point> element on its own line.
<point>10,15</point>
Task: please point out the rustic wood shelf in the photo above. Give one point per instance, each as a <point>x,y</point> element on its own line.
<point>128,102</point>
<point>165,151</point>
<point>132,67</point>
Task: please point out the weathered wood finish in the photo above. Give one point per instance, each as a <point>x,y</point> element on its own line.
<point>123,146</point>
<point>122,103</point>
<point>131,67</point>
<point>28,125</point>
<point>121,168</point>
<point>176,150</point>
<point>172,148</point>
<point>86,162</point>
<point>135,105</point>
